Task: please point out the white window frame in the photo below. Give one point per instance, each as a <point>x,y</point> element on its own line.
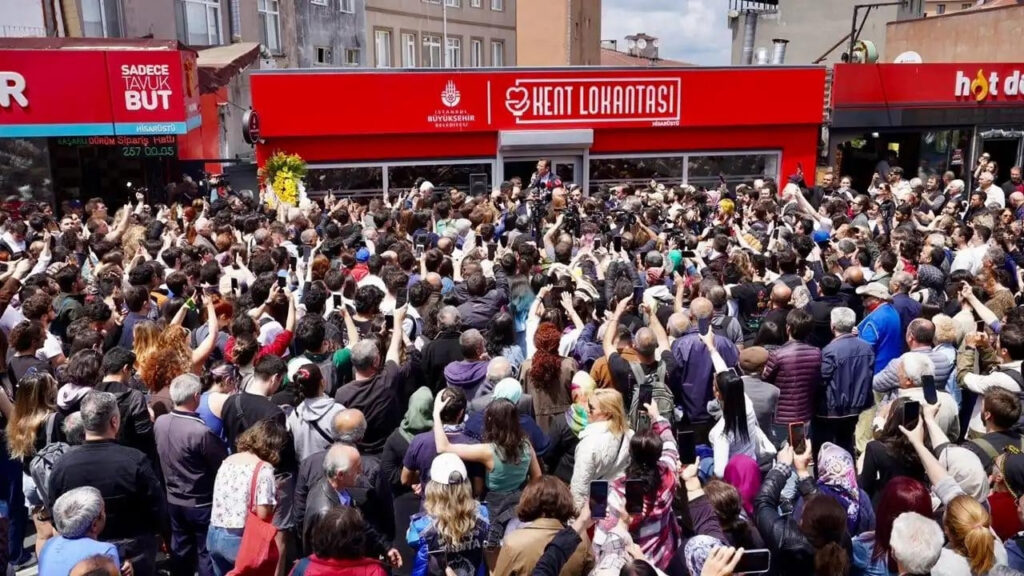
<point>475,3</point>
<point>347,6</point>
<point>453,53</point>
<point>327,51</point>
<point>349,52</point>
<point>476,53</point>
<point>430,42</point>
<point>453,3</point>
<point>497,47</point>
<point>320,2</point>
<point>214,37</point>
<point>432,1</point>
<point>385,166</point>
<point>270,10</point>
<point>100,6</point>
<point>410,49</point>
<point>382,40</point>
<point>498,5</point>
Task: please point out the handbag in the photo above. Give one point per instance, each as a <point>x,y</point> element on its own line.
<point>258,553</point>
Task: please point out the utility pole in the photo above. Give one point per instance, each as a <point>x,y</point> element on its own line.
<point>854,31</point>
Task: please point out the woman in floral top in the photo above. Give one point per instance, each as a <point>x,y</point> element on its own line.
<point>259,448</point>
<point>654,458</point>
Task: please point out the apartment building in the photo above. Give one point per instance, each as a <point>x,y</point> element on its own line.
<point>440,33</point>
<point>559,33</point>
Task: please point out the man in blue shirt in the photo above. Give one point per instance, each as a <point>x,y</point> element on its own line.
<point>881,327</point>
<point>79,517</point>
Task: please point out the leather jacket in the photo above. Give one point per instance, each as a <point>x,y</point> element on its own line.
<point>380,528</point>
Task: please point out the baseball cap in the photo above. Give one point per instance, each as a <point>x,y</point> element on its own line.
<point>448,469</point>
<point>820,236</point>
<point>876,290</point>
<point>362,255</point>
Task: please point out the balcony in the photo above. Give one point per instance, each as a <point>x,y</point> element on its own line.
<point>759,6</point>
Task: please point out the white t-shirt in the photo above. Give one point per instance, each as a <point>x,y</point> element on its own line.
<point>231,493</point>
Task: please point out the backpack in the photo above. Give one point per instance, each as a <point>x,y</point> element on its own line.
<point>660,395</point>
<point>43,461</point>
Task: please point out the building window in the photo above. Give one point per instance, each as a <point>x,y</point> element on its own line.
<point>940,9</point>
<point>201,22</point>
<point>432,51</point>
<point>319,2</point>
<point>476,53</point>
<point>348,6</point>
<point>408,50</point>
<point>382,48</point>
<point>270,25</point>
<point>605,172</point>
<point>705,170</point>
<point>324,56</point>
<point>498,5</point>
<point>453,3</point>
<point>432,1</point>
<point>453,53</point>
<point>101,19</point>
<point>474,3</point>
<point>497,53</point>
<point>966,5</point>
<point>352,57</point>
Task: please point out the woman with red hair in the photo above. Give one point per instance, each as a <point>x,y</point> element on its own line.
<point>547,377</point>
<point>871,553</point>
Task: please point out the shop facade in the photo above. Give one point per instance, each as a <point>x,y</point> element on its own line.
<point>937,117</point>
<point>93,119</point>
<point>363,132</point>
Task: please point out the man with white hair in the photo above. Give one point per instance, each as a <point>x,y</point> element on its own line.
<point>912,370</point>
<point>190,455</point>
<point>993,194</point>
<point>134,498</point>
<point>204,235</point>
<point>847,364</point>
<point>916,543</point>
<point>78,517</point>
<point>341,486</point>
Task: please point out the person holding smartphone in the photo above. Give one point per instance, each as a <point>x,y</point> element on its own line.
<point>890,454</point>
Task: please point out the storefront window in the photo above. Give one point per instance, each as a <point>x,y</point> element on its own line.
<point>25,169</point>
<point>706,170</point>
<point>442,176</point>
<point>356,181</point>
<point>606,172</point>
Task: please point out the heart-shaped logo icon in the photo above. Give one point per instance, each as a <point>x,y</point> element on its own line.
<point>517,100</point>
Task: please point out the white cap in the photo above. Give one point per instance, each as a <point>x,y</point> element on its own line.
<point>426,186</point>
<point>448,469</point>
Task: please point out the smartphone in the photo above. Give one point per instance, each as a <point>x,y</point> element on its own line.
<point>281,281</point>
<point>635,488</point>
<point>931,395</point>
<point>4,266</point>
<point>439,556</point>
<point>797,437</point>
<point>911,412</point>
<point>981,326</point>
<point>597,243</point>
<point>234,285</point>
<point>703,325</point>
<point>754,562</point>
<point>646,395</point>
<point>687,447</point>
<point>687,254</point>
<point>293,262</point>
<point>599,498</point>
<point>337,300</point>
<point>492,249</point>
<point>638,295</point>
<point>53,242</point>
<point>617,243</point>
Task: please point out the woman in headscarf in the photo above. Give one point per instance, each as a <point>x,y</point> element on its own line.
<point>547,376</point>
<point>837,478</point>
<point>744,473</point>
<point>698,550</point>
<point>418,418</point>
<point>565,432</point>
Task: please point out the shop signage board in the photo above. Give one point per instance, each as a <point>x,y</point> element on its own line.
<point>956,85</point>
<point>128,146</point>
<point>404,102</point>
<point>98,92</point>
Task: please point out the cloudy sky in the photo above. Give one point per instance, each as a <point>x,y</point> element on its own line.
<point>690,30</point>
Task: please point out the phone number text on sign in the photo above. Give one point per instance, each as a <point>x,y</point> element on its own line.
<point>594,100</point>
<point>148,151</point>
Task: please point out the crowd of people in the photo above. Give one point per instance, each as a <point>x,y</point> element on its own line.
<point>773,377</point>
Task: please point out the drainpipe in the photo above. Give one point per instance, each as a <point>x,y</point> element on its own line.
<point>779,50</point>
<point>749,32</point>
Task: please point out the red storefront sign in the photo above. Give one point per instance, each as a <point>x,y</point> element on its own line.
<point>357,102</point>
<point>97,92</point>
<point>927,85</point>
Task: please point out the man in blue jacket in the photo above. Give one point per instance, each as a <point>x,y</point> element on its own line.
<point>880,328</point>
<point>847,365</point>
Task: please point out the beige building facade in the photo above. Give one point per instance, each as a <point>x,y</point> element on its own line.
<point>967,36</point>
<point>559,33</point>
<point>412,33</point>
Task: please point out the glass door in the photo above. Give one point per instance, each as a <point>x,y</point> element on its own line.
<point>568,169</point>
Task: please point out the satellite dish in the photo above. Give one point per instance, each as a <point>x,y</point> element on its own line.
<point>641,43</point>
<point>655,42</point>
<point>909,57</point>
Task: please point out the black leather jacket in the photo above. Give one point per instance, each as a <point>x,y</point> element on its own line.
<point>791,552</point>
<point>380,526</point>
